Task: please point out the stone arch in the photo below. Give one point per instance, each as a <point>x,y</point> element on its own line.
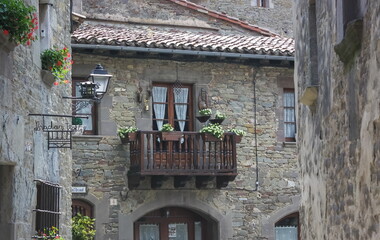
<point>268,224</point>
<point>100,211</point>
<point>223,225</point>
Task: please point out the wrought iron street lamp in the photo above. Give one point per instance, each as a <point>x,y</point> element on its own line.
<point>100,77</point>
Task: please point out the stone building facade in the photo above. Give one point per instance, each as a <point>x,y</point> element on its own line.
<point>25,160</point>
<point>276,15</point>
<point>337,73</point>
<point>139,58</point>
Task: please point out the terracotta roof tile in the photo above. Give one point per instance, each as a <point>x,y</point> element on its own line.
<point>224,16</point>
<point>107,35</point>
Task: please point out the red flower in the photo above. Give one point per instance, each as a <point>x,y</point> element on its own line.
<point>56,83</point>
<point>59,63</point>
<point>28,43</point>
<point>6,32</point>
<point>65,81</point>
<point>72,61</point>
<point>65,49</point>
<point>68,55</point>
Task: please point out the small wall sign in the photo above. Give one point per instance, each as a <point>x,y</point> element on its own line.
<point>78,189</point>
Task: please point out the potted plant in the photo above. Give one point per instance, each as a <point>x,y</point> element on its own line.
<point>167,133</point>
<point>205,114</point>
<point>18,23</point>
<point>212,132</point>
<point>219,118</point>
<point>58,62</point>
<point>83,227</point>
<point>77,126</point>
<point>127,134</point>
<point>239,134</point>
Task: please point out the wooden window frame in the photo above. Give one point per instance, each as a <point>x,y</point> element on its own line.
<point>170,106</point>
<point>289,139</point>
<point>94,109</point>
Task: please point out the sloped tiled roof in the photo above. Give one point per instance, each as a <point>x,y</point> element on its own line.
<point>106,35</point>
<point>223,16</point>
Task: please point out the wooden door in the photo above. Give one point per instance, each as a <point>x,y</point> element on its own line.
<point>170,224</point>
<point>82,207</point>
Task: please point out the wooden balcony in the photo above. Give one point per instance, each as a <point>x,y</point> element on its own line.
<point>190,154</point>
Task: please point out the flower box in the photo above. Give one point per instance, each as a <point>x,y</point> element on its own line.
<point>130,137</point>
<point>171,136</point>
<point>238,138</point>
<point>208,137</point>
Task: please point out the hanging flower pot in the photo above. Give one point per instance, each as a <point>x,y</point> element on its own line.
<point>18,22</point>
<point>58,62</point>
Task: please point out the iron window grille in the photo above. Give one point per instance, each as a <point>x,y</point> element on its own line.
<point>47,208</point>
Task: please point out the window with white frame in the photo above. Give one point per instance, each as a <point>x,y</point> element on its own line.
<point>289,115</point>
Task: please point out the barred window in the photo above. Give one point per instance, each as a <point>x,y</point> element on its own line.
<point>47,208</point>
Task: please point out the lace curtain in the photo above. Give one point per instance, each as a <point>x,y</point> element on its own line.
<point>289,115</point>
<point>180,96</point>
<point>159,95</point>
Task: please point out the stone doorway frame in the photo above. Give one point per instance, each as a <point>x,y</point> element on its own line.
<point>181,199</point>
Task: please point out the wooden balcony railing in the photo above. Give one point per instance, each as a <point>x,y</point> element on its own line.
<point>190,154</point>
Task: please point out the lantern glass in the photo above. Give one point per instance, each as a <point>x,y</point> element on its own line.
<point>87,89</point>
<point>101,81</point>
<point>100,77</point>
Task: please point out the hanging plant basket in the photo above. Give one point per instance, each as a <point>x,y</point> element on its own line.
<point>129,137</point>
<point>208,137</point>
<point>171,136</point>
<point>216,120</point>
<point>203,119</point>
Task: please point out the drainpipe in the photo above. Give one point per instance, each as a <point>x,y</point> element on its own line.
<point>255,129</point>
<point>181,52</point>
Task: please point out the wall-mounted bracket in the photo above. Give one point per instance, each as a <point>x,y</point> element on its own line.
<point>59,136</point>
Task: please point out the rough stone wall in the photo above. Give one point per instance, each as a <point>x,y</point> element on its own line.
<point>24,155</point>
<point>277,17</point>
<point>339,135</point>
<point>158,13</point>
<point>104,162</point>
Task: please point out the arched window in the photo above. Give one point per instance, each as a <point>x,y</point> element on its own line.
<point>288,227</point>
<point>83,207</point>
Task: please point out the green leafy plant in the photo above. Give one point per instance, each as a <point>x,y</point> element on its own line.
<point>18,21</point>
<point>205,112</point>
<point>83,227</point>
<point>49,233</point>
<point>76,121</point>
<point>123,131</point>
<point>167,128</point>
<point>58,61</point>
<point>219,115</point>
<point>214,129</point>
<point>238,132</point>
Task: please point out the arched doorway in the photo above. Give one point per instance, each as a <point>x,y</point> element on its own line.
<point>288,228</point>
<point>172,223</point>
<point>83,207</point>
